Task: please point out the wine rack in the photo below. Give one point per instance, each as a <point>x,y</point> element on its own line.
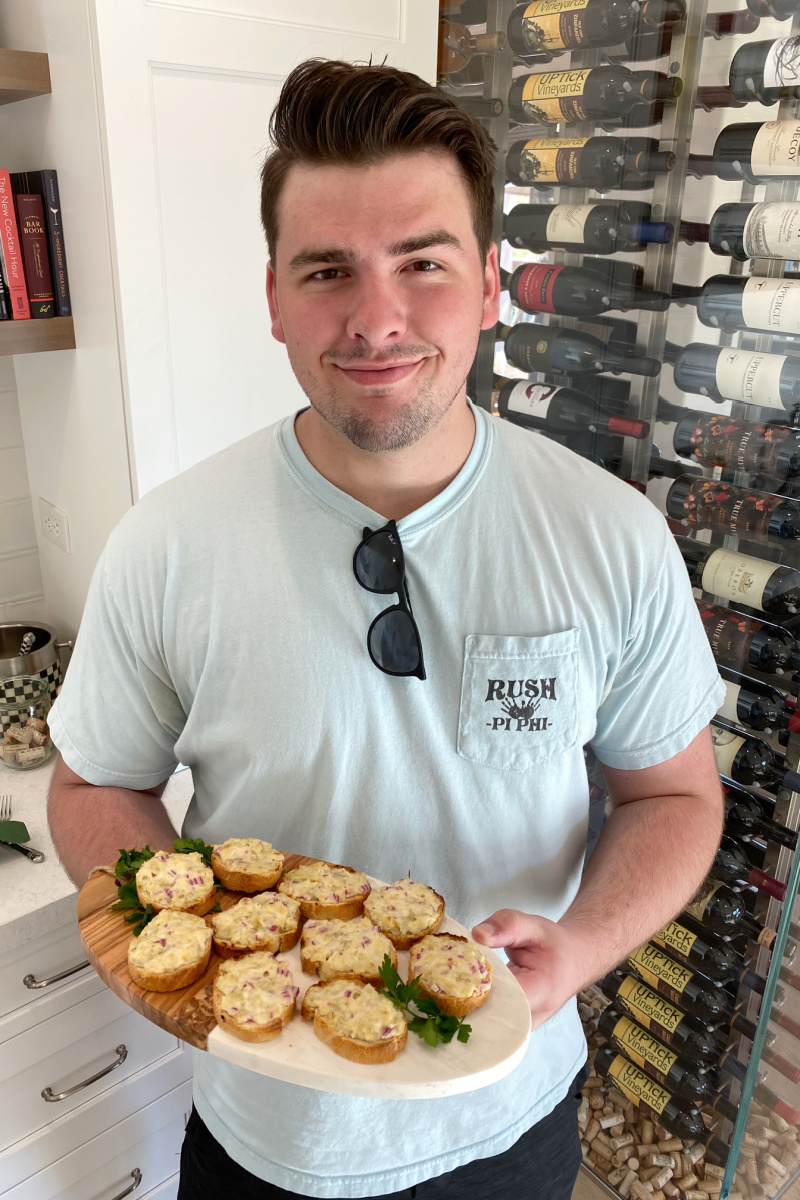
<point>763,1058</point>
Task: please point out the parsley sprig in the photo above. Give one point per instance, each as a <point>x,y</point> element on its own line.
<point>125,870</point>
<point>429,1022</point>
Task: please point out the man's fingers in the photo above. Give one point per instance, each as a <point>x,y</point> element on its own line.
<point>510,927</point>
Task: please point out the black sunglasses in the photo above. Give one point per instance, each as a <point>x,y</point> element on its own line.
<point>393,638</point>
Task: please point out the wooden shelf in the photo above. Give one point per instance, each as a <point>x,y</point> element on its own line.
<point>23,74</point>
<point>27,337</point>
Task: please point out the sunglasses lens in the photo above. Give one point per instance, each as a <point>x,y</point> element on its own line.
<point>379,564</point>
<point>393,642</point>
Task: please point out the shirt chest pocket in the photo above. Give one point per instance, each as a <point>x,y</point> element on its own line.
<point>519,699</point>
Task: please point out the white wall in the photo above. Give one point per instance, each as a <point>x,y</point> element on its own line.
<point>21,592</point>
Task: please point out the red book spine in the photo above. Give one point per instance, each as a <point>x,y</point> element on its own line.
<point>33,237</point>
<point>12,252</point>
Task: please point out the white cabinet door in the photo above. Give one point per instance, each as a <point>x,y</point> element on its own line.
<point>187,91</point>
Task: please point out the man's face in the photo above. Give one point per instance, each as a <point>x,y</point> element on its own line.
<point>380,294</point>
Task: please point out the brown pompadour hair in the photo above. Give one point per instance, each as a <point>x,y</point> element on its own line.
<point>333,112</point>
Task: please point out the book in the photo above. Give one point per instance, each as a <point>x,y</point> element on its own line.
<point>44,183</point>
<point>36,260</point>
<point>5,295</point>
<point>12,251</point>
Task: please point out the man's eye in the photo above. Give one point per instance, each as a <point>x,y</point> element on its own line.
<point>425,265</point>
<point>326,273</point>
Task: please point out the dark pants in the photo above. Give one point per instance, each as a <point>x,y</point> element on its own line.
<point>541,1165</point>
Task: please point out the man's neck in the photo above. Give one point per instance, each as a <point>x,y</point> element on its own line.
<point>393,483</point>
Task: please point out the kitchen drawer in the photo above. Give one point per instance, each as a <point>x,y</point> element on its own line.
<point>66,1050</point>
<point>168,1190</point>
<point>41,961</point>
<point>95,1116</point>
<point>149,1140</point>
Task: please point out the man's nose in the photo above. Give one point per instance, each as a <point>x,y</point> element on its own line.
<point>377,313</point>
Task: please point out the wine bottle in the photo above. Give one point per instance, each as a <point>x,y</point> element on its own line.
<point>748,760</point>
<point>731,24</point>
<point>627,280</point>
<point>682,1032</point>
<point>730,1065</point>
<point>745,817</point>
<point>740,1024</point>
<point>601,228</point>
<point>732,443</point>
<point>469,12</point>
<point>653,90</point>
<point>546,348</point>
<point>756,705</point>
<point>766,71</point>
<point>553,26</point>
<point>731,303</point>
<point>484,108</point>
<point>718,908</point>
<point>658,467</point>
<point>612,331</point>
<point>676,1115</point>
<point>725,373</point>
<point>682,1076</point>
<point>554,96</point>
<point>457,45</point>
<point>562,410</point>
<point>770,229</point>
<point>756,516</point>
<point>604,163</point>
<point>572,291</point>
<point>781,10</point>
<point>739,641</point>
<point>752,151</point>
<point>692,992</point>
<point>713,957</point>
<point>738,577</point>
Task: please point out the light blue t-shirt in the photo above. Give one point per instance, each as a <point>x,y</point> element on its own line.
<point>225,629</point>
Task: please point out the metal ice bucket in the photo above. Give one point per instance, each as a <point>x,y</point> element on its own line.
<point>42,659</point>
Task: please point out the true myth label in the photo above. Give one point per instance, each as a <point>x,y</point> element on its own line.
<point>552,160</point>
<point>555,24</point>
<point>555,96</point>
<point>772,304</point>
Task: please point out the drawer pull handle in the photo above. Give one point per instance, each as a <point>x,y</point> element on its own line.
<point>137,1179</point>
<point>50,1096</point>
<point>31,981</point>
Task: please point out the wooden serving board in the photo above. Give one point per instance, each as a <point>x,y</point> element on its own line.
<point>188,1013</point>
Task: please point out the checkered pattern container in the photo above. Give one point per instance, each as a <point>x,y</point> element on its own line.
<point>25,740</point>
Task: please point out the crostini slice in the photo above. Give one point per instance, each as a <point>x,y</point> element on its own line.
<point>453,971</point>
<point>247,864</point>
<point>356,1021</point>
<point>326,890</point>
<point>181,882</point>
<point>345,950</point>
<point>171,952</point>
<point>254,996</point>
<point>405,911</point>
<point>263,922</point>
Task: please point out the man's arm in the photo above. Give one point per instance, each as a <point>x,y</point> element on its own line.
<point>90,824</point>
<point>654,851</point>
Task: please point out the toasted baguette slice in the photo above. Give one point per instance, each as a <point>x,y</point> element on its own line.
<point>326,890</point>
<point>452,971</point>
<point>181,882</point>
<point>171,952</point>
<point>345,950</point>
<point>247,864</point>
<point>405,912</point>
<point>263,922</point>
<point>356,1021</point>
<point>254,996</point>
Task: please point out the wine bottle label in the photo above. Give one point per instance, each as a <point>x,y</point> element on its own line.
<point>705,894</point>
<point>730,705</point>
<point>660,971</point>
<point>555,96</point>
<point>750,377</point>
<point>648,1008</point>
<point>737,577</point>
<point>776,149</point>
<point>567,223</point>
<point>711,504</point>
<point>642,1048</point>
<point>772,230</point>
<point>552,160</point>
<point>782,66</point>
<point>726,746</point>
<point>728,633</point>
<point>637,1086</point>
<point>535,286</point>
<point>555,24</point>
<point>676,937</point>
<point>718,441</point>
<point>772,304</point>
<point>532,399</point>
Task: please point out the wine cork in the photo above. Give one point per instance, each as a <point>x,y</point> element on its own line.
<point>592,1083</point>
<point>664,1176</point>
<point>620,1140</point>
<point>583,1112</point>
<point>714,1172</point>
<point>647,1173</point>
<point>712,1187</point>
<point>616,1176</point>
<point>639,1191</point>
<point>693,1195</point>
<point>769,1160</point>
<point>778,1123</point>
<point>585,1149</point>
<point>769,1176</point>
<point>595,1100</point>
<point>611,1119</point>
<point>751,1172</point>
<point>604,1139</point>
<point>695,1152</point>
<point>660,1132</point>
<point>605,1152</point>
<point>670,1190</point>
<point>601,1165</point>
<point>673,1143</point>
<point>592,1130</point>
<point>633,1164</point>
<point>648,1132</point>
<point>624,1188</point>
<point>608,1110</point>
<point>659,1160</point>
<point>687,1182</point>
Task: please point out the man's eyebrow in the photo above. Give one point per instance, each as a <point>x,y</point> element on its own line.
<point>335,255</point>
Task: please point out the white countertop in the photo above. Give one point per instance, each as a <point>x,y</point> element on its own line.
<point>37,897</point>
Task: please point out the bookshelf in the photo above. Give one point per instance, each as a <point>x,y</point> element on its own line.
<point>23,74</point>
<point>27,337</point>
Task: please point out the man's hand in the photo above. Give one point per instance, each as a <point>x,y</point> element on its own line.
<point>546,958</point>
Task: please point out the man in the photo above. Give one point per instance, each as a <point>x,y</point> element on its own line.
<point>545,606</point>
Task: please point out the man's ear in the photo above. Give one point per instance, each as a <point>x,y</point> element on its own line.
<point>274,312</point>
<point>491,290</point>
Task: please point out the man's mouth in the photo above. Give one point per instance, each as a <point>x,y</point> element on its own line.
<point>379,374</point>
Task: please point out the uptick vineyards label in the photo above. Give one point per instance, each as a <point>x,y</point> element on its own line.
<point>555,96</point>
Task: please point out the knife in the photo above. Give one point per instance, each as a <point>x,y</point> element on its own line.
<point>29,852</point>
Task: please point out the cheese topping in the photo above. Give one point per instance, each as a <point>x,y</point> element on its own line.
<point>356,1010</point>
<point>356,946</point>
<point>446,965</point>
<point>249,854</point>
<point>256,989</point>
<point>326,884</point>
<point>170,941</point>
<point>404,908</point>
<point>174,880</point>
<point>257,920</point>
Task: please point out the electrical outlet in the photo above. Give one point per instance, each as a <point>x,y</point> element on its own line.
<point>55,525</point>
